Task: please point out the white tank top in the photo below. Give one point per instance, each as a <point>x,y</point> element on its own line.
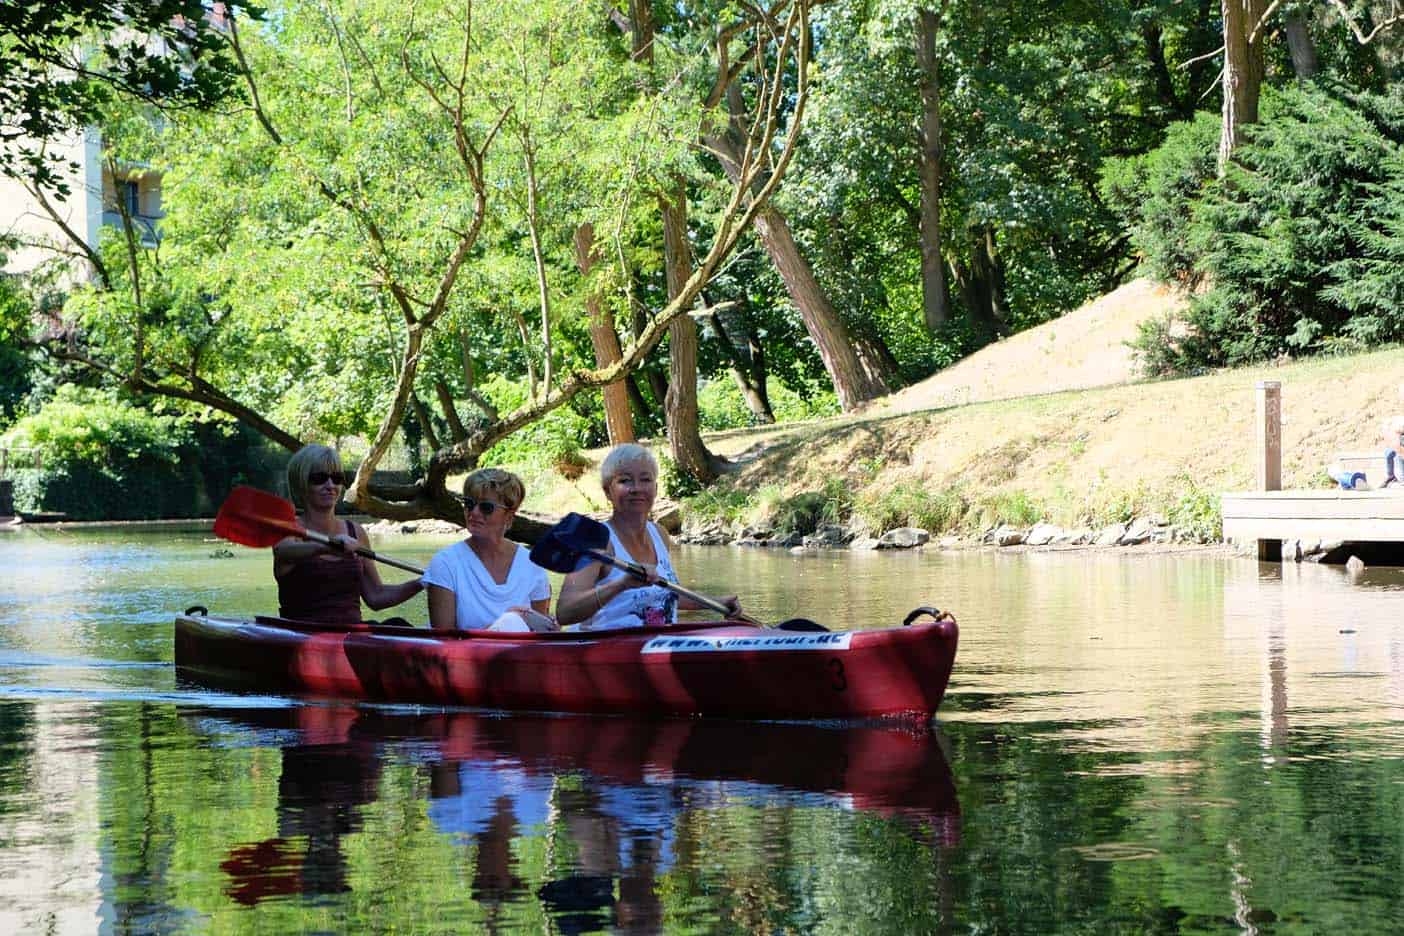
<point>630,607</point>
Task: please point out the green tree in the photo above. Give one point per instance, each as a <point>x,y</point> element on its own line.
<point>395,214</point>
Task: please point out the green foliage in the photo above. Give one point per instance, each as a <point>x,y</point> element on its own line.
<point>1300,242</point>
<point>720,404</point>
<point>915,506</point>
<point>555,439</point>
<point>1197,514</point>
<point>803,513</point>
<point>725,504</point>
<point>171,52</point>
<point>15,366</point>
<point>1015,508</point>
<point>676,484</point>
<point>101,458</point>
<point>1156,192</point>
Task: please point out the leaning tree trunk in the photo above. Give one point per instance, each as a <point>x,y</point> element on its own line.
<point>618,419</point>
<point>1244,68</point>
<point>680,407</point>
<point>747,367</point>
<point>853,383</point>
<point>935,294</point>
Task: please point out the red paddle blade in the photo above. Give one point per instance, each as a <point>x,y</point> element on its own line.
<point>252,517</point>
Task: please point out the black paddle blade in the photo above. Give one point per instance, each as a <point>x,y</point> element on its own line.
<point>562,548</point>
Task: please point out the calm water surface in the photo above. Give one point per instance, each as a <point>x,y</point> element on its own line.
<point>1131,743</point>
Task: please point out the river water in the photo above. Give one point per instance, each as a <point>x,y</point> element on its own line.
<point>1131,742</point>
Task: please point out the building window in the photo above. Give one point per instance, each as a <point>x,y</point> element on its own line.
<point>130,193</point>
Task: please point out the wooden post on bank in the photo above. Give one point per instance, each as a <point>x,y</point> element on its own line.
<point>1269,454</point>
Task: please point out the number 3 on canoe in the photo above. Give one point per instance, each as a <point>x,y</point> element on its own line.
<point>839,681</point>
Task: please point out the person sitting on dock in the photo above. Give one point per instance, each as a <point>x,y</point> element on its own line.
<point>486,580</point>
<point>600,597</point>
<point>326,583</point>
<point>1394,451</point>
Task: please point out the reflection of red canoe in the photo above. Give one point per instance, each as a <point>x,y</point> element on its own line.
<point>696,669</point>
<point>887,770</point>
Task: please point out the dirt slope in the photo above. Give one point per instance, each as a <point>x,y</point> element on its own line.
<point>1084,348</point>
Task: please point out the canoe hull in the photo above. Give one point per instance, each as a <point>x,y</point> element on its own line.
<point>708,669</point>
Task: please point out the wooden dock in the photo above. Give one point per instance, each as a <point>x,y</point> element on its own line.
<point>1341,516</point>
<point>1271,516</point>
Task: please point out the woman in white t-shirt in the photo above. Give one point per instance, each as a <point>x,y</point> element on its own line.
<point>486,580</point>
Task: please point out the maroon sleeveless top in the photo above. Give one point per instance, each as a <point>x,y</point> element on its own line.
<point>324,588</point>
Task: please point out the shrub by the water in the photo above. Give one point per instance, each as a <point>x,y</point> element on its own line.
<point>100,458</point>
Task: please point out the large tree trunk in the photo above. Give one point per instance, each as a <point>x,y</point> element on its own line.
<point>982,285</point>
<point>1244,67</point>
<point>680,407</point>
<point>1300,46</point>
<point>1154,38</point>
<point>935,295</point>
<point>605,340</point>
<point>853,383</point>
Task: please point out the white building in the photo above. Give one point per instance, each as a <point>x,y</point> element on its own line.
<point>93,202</point>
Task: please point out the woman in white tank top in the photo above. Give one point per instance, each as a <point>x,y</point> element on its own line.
<point>598,596</point>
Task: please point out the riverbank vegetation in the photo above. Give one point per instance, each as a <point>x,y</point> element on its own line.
<point>516,233</point>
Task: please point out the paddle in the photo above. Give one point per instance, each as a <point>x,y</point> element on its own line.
<point>576,541</point>
<point>256,518</point>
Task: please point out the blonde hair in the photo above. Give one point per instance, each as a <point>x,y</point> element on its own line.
<point>626,453</point>
<point>508,487</point>
<point>309,458</point>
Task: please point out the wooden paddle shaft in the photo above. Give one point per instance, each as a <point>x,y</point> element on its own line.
<point>325,540</point>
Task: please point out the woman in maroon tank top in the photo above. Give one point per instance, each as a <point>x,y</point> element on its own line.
<point>324,583</point>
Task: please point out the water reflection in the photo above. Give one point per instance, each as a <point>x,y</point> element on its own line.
<point>608,795</point>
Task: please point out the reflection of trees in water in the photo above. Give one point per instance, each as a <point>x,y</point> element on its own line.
<point>321,790</point>
<point>16,745</point>
<point>608,857</point>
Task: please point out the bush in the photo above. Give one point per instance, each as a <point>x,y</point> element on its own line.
<point>555,439</point>
<point>720,404</point>
<point>104,459</point>
<point>1301,242</point>
<point>914,506</point>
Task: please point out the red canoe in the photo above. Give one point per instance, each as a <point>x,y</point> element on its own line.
<point>688,669</point>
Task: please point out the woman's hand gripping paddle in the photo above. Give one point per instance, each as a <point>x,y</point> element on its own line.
<point>576,541</point>
<point>256,518</point>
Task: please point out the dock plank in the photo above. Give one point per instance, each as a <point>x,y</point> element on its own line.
<point>1349,516</point>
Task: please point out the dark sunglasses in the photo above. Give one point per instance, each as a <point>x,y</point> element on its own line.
<point>483,507</point>
<point>319,478</point>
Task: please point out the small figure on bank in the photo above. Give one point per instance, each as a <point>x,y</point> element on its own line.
<point>326,583</point>
<point>1394,451</point>
<point>486,580</point>
<point>600,597</point>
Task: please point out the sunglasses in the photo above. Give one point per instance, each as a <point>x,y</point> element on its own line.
<point>483,507</point>
<point>319,478</point>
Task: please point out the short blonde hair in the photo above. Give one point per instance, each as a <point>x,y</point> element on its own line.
<point>508,488</point>
<point>309,458</point>
<point>626,453</point>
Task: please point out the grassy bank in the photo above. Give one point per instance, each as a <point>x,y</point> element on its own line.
<point>1078,458</point>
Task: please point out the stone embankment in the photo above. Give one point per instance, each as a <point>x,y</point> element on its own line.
<point>1138,532</point>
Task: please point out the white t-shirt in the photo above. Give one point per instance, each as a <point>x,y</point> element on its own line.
<point>479,599</point>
